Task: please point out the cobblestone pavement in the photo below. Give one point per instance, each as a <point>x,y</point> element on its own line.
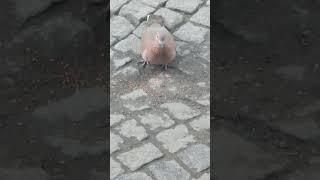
<point>160,120</point>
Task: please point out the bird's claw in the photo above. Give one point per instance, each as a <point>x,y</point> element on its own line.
<point>164,66</point>
<point>144,63</point>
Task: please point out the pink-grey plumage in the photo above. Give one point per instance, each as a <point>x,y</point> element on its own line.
<point>157,43</point>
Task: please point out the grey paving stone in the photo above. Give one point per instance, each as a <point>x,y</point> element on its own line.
<point>115,5</point>
<point>25,174</point>
<point>191,33</point>
<point>201,84</point>
<point>155,121</point>
<point>168,170</point>
<point>120,27</point>
<point>135,11</point>
<point>140,156</point>
<point>131,129</point>
<point>205,176</point>
<point>153,3</point>
<point>246,161</point>
<point>155,82</point>
<point>171,18</point>
<point>193,66</point>
<point>138,31</point>
<point>131,43</point>
<point>180,110</point>
<point>127,73</point>
<point>188,6</point>
<point>118,63</point>
<point>116,118</point>
<point>201,123</point>
<point>115,141</point>
<point>134,95</point>
<point>115,168</point>
<point>182,48</point>
<point>202,16</point>
<point>134,176</point>
<point>196,157</point>
<point>112,53</point>
<point>204,49</point>
<point>175,138</point>
<point>137,107</point>
<point>113,40</point>
<point>204,102</point>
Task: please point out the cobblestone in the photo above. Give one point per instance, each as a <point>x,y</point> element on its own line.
<point>135,11</point>
<point>191,33</point>
<point>116,5</point>
<point>188,6</point>
<point>201,123</point>
<point>127,72</point>
<point>205,176</point>
<point>115,140</point>
<point>133,107</point>
<point>161,114</point>
<point>139,29</point>
<point>131,43</point>
<point>168,170</point>
<point>120,27</point>
<point>196,157</point>
<point>115,168</point>
<point>202,16</point>
<point>118,63</point>
<point>140,156</point>
<point>180,110</point>
<point>176,138</point>
<point>172,18</point>
<point>112,40</point>
<point>204,102</point>
<point>131,129</point>
<point>134,176</point>
<point>134,95</point>
<point>155,121</point>
<point>153,3</point>
<point>197,67</point>
<point>116,118</point>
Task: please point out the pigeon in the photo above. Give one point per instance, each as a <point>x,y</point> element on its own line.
<point>157,43</point>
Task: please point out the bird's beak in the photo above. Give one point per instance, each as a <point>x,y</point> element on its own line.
<point>161,44</point>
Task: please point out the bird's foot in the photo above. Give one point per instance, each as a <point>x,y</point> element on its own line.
<point>144,63</point>
<point>164,66</point>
